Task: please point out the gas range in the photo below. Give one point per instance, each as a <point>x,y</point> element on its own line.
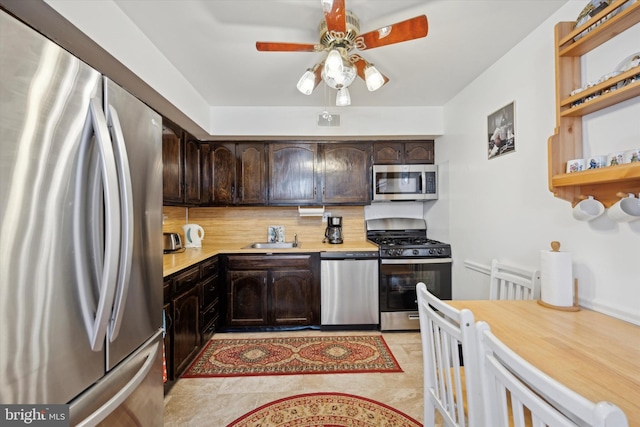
<point>407,257</point>
<point>405,238</point>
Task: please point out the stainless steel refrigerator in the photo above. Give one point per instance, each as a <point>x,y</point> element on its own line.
<point>80,237</point>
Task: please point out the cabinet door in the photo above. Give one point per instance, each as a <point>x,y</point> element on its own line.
<point>292,178</point>
<point>247,298</point>
<point>346,173</point>
<point>223,174</point>
<point>186,330</point>
<point>192,172</point>
<point>251,174</point>
<point>388,152</point>
<point>419,152</point>
<point>290,297</point>
<point>172,165</point>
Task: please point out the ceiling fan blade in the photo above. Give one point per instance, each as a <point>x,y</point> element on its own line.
<point>360,63</point>
<point>288,47</point>
<point>410,29</point>
<point>335,14</point>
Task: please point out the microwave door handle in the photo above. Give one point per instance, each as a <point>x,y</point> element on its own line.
<point>126,200</point>
<point>423,182</point>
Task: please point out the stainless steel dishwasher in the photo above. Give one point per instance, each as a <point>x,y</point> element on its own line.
<point>349,290</point>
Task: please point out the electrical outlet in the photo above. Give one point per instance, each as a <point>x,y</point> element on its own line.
<point>325,215</point>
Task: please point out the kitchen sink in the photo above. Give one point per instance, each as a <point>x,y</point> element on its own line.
<point>272,245</point>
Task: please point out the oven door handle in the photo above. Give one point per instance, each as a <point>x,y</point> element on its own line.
<point>415,261</point>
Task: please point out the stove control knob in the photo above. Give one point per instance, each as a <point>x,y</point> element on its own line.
<point>416,252</point>
<point>431,251</point>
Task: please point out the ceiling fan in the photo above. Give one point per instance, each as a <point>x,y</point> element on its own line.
<point>339,35</point>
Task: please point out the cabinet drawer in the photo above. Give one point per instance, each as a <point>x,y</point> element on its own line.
<point>209,268</point>
<point>209,315</point>
<point>209,291</point>
<point>186,279</point>
<point>262,262</point>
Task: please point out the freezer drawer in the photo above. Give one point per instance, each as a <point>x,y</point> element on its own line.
<point>130,394</point>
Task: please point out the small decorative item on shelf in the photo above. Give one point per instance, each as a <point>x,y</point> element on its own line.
<point>615,158</point>
<point>592,9</point>
<point>627,64</point>
<point>632,156</point>
<point>576,165</point>
<point>595,162</point>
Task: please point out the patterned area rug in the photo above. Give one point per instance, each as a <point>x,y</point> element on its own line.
<point>293,355</point>
<point>325,409</point>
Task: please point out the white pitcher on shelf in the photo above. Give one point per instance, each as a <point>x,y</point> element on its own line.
<point>193,235</point>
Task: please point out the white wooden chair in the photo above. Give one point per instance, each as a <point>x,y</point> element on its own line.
<point>448,386</point>
<point>535,398</point>
<point>513,283</point>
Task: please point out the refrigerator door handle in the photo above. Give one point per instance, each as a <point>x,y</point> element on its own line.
<point>96,319</point>
<point>126,200</point>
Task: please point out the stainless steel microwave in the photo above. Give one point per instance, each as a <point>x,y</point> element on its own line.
<point>405,182</point>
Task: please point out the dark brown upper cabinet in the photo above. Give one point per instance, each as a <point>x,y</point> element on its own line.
<point>251,173</point>
<point>237,174</point>
<point>181,166</point>
<point>192,171</point>
<point>403,152</point>
<point>346,173</point>
<point>172,164</point>
<point>292,174</point>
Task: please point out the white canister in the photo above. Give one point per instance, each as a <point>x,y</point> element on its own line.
<point>588,209</point>
<point>625,210</point>
<point>595,162</point>
<point>575,165</point>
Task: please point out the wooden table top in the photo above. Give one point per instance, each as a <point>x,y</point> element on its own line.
<point>594,354</point>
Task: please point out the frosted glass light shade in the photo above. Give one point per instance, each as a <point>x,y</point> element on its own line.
<point>344,79</point>
<point>333,65</point>
<point>343,98</point>
<point>373,78</point>
<point>307,82</point>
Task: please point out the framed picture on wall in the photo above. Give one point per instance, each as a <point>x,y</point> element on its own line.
<point>501,131</point>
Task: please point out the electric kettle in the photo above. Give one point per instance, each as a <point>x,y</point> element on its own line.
<point>193,235</point>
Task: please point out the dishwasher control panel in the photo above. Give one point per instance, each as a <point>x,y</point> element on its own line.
<point>349,255</point>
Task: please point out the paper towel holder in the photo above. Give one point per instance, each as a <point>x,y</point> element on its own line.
<point>555,247</point>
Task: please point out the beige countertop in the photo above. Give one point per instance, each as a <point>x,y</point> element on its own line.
<point>175,262</point>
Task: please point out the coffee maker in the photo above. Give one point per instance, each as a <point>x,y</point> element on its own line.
<point>333,233</point>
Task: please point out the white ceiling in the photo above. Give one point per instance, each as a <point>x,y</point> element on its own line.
<point>212,43</point>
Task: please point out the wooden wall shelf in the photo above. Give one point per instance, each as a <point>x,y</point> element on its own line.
<point>566,143</point>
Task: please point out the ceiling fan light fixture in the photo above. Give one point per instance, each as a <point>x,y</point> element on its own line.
<point>373,78</point>
<point>334,64</point>
<point>307,82</point>
<point>343,98</point>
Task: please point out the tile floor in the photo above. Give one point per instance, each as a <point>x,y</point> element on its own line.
<point>218,401</point>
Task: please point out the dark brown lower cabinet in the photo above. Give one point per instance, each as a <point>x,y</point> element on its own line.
<point>247,302</point>
<point>272,290</point>
<point>186,329</point>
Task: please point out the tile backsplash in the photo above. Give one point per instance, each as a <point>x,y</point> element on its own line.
<point>251,224</point>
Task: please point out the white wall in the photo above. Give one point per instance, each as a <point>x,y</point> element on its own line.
<point>502,208</point>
